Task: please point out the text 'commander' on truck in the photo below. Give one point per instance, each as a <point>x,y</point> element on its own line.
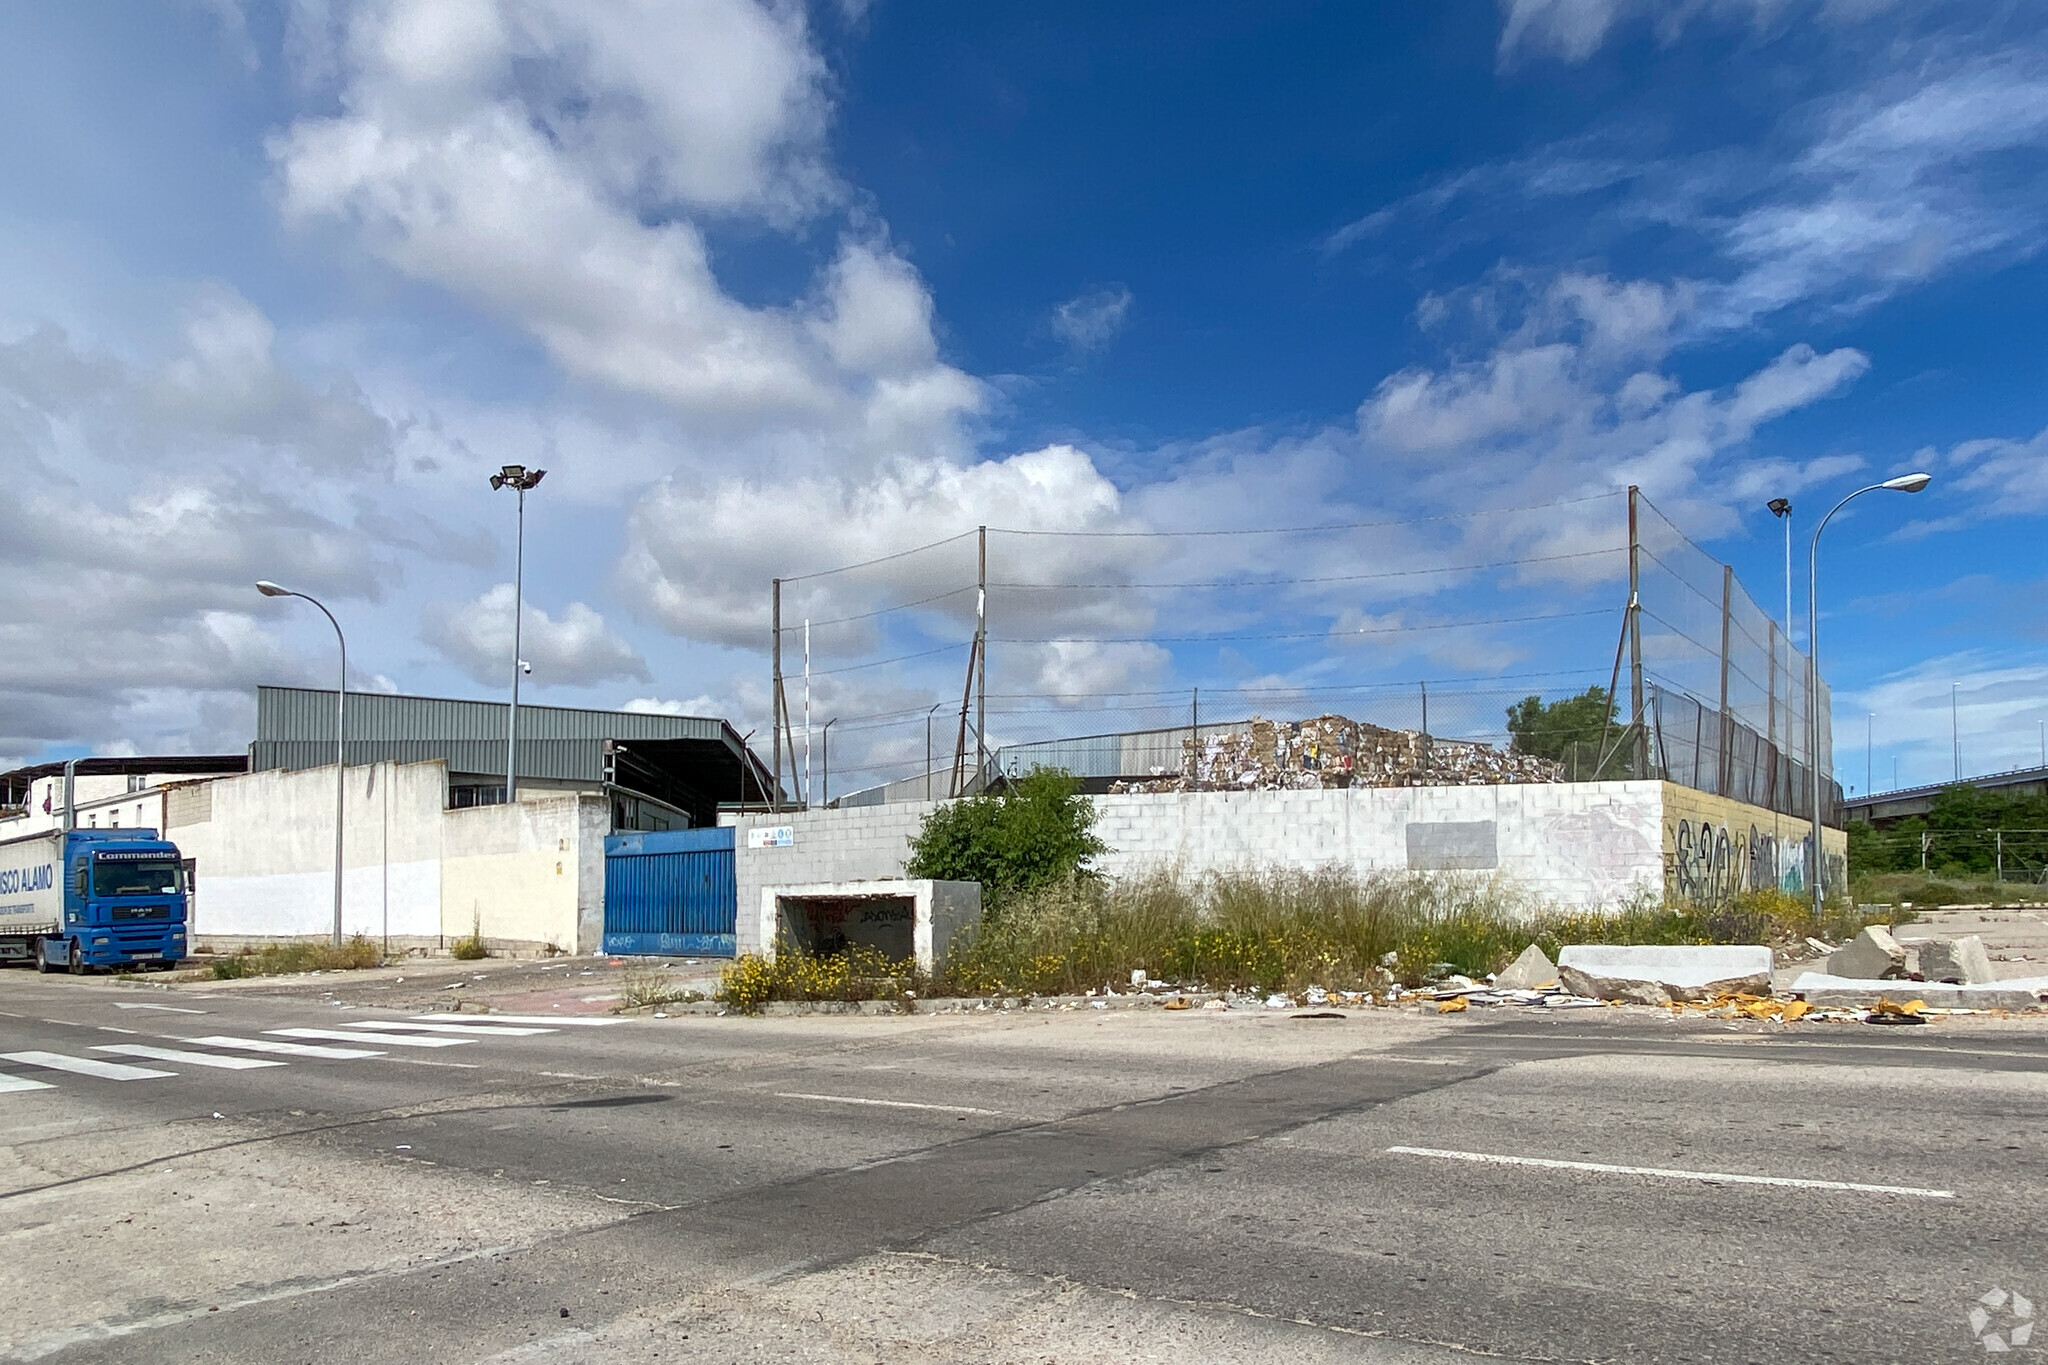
<point>91,898</point>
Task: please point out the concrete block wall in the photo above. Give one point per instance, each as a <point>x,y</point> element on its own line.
<point>1580,843</point>
<point>863,843</point>
<point>1567,844</point>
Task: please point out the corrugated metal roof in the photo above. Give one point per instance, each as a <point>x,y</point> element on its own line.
<point>295,729</point>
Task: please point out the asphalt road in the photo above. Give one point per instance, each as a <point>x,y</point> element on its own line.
<point>1099,1186</point>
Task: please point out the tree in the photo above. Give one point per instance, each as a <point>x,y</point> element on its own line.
<point>1037,830</point>
<point>1549,729</point>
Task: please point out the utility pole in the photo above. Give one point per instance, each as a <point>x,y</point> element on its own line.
<point>807,712</point>
<point>1869,730</point>
<point>775,688</point>
<point>981,659</point>
<point>1635,639</point>
<point>1955,733</point>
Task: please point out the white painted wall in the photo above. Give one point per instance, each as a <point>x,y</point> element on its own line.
<point>1566,844</point>
<point>264,859</point>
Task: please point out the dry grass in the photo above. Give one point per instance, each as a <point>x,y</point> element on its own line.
<point>278,959</point>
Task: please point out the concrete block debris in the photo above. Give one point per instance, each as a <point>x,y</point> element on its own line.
<point>1531,971</point>
<point>1657,974</point>
<point>1335,751</point>
<point>1961,961</point>
<point>1824,990</point>
<point>1873,955</point>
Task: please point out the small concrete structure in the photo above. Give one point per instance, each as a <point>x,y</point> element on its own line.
<point>1823,990</point>
<point>1960,960</point>
<point>1872,955</point>
<point>899,917</point>
<point>1657,974</point>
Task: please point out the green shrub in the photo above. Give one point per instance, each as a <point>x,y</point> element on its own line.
<point>1037,831</point>
<point>471,949</point>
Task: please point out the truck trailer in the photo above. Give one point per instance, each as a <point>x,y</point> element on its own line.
<point>82,898</point>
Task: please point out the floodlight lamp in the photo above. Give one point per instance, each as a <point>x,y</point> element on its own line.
<point>497,482</point>
<point>1780,507</point>
<point>1908,483</point>
<point>270,589</point>
<point>512,473</point>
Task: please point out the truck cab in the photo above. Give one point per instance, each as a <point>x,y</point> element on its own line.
<point>123,902</point>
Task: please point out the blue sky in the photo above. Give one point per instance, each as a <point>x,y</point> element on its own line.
<point>773,288</point>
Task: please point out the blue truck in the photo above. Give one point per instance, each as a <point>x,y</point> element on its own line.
<point>83,898</point>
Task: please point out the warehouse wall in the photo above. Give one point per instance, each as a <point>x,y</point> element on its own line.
<point>263,852</point>
<point>263,855</point>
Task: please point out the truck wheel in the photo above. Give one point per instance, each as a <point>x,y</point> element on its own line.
<point>77,959</point>
<point>42,959</point>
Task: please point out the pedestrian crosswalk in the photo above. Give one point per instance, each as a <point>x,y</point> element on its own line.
<point>353,1040</point>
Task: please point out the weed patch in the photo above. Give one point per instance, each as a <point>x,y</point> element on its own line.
<point>646,986</point>
<point>278,959</point>
<point>858,973</point>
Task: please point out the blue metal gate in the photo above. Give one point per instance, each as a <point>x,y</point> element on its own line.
<point>670,894</point>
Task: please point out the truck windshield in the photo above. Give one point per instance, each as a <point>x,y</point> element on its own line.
<point>143,877</point>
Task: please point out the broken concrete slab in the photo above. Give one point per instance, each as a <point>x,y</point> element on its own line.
<point>1824,990</point>
<point>1657,974</point>
<point>1532,969</point>
<point>1873,955</point>
<point>1963,961</point>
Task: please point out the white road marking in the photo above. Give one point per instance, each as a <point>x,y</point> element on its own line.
<point>575,1020</point>
<point>487,1030</point>
<point>171,1054</point>
<point>167,1009</point>
<point>394,1039</point>
<point>8,1083</point>
<point>887,1104</point>
<point>85,1066</point>
<point>282,1049</point>
<point>1717,1177</point>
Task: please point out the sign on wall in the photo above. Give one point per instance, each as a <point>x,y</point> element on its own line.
<point>771,836</point>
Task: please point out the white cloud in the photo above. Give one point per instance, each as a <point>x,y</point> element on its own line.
<point>576,650</point>
<point>1088,321</point>
<point>1574,30</point>
<point>550,162</point>
<point>145,498</point>
<point>1999,705</point>
<point>701,705</point>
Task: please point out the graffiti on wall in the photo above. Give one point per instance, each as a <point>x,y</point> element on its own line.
<point>1711,863</point>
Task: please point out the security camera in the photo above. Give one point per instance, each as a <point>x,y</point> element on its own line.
<point>525,667</point>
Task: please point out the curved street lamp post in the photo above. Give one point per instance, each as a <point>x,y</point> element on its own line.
<point>1905,483</point>
<point>270,589</point>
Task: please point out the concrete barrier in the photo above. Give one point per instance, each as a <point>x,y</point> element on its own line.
<point>1847,992</point>
<point>1657,974</point>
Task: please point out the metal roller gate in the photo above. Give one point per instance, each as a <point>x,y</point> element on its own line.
<point>670,894</point>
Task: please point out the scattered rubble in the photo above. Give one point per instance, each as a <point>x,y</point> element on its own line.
<point>1873,955</point>
<point>1335,751</point>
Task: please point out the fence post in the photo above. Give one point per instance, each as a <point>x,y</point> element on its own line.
<point>1722,773</point>
<point>2000,875</point>
<point>1635,645</point>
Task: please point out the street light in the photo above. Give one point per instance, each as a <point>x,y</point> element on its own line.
<point>520,477</point>
<point>270,589</point>
<point>1905,483</point>
<point>928,749</point>
<point>1781,508</point>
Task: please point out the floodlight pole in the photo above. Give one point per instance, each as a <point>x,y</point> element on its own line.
<point>1905,483</point>
<point>269,589</point>
<point>521,479</point>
